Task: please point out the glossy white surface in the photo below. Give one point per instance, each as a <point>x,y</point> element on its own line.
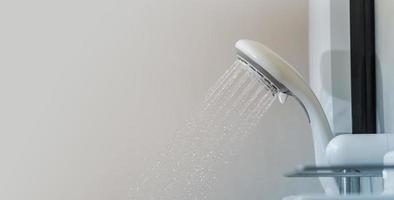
<point>320,197</point>
<point>384,31</point>
<point>329,60</point>
<point>287,75</point>
<point>388,174</point>
<point>360,149</point>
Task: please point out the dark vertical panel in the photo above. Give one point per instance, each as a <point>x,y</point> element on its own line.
<point>362,33</point>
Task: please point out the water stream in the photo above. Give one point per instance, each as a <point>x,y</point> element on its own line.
<point>188,169</point>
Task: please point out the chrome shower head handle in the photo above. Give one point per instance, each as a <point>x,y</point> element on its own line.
<point>288,81</point>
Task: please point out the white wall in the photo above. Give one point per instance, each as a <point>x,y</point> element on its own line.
<point>384,20</point>
<point>92,91</point>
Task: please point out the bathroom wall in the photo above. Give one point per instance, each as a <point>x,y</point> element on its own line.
<point>93,91</point>
<point>384,27</point>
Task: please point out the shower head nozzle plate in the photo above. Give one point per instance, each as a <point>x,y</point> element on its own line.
<point>265,77</point>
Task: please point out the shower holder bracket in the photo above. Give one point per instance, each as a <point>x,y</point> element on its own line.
<point>348,177</point>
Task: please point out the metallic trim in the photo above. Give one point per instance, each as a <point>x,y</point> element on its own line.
<point>276,85</point>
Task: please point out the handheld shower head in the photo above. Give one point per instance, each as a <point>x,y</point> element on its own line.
<point>284,80</point>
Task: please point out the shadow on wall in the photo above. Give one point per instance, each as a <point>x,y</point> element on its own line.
<point>335,73</point>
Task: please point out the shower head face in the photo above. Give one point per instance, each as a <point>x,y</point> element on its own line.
<point>272,68</point>
<point>278,75</point>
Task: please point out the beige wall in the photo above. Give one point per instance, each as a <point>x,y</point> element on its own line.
<point>93,90</point>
